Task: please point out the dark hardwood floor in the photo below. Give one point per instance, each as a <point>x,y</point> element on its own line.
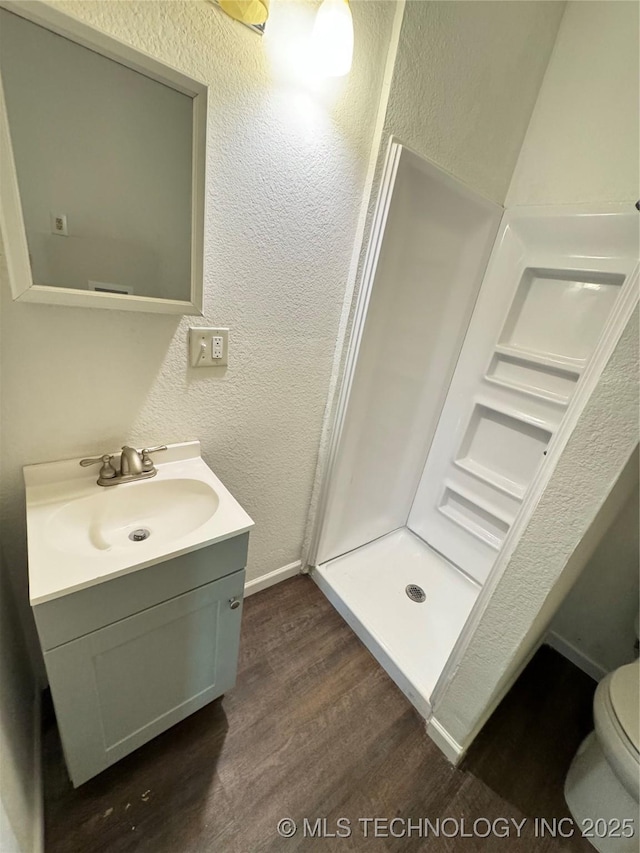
<point>315,729</point>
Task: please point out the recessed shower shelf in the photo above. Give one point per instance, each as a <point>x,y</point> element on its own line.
<point>541,381</point>
<point>514,413</point>
<point>560,362</point>
<point>491,478</point>
<point>503,447</point>
<point>557,314</point>
<point>539,394</point>
<point>467,513</point>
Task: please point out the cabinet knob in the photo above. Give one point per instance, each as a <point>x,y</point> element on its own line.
<point>234,603</point>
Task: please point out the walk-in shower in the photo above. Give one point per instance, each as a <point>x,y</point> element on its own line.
<point>477,337</point>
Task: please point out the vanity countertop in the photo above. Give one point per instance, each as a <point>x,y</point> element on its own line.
<point>80,534</point>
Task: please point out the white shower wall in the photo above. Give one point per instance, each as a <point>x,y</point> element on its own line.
<point>432,238</point>
<point>484,398</point>
<point>551,287</point>
<point>581,146</point>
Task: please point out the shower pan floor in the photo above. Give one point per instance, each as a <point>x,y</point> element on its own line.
<point>411,640</point>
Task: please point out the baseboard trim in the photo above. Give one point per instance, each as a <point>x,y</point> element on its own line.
<point>272,578</point>
<point>577,657</point>
<point>445,742</point>
<point>38,793</point>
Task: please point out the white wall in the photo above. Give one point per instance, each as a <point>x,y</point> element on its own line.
<point>466,81</point>
<point>550,553</point>
<point>286,167</point>
<point>128,215</point>
<point>582,143</point>
<point>595,625</point>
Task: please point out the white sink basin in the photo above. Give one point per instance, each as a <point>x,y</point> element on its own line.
<point>126,516</point>
<point>80,534</point>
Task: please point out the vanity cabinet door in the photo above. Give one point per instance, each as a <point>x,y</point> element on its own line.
<point>116,688</point>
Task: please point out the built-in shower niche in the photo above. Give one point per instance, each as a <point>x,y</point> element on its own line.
<point>556,316</point>
<point>502,450</point>
<point>555,384</point>
<point>476,519</point>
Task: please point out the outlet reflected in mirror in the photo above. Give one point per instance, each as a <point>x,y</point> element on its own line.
<point>108,165</point>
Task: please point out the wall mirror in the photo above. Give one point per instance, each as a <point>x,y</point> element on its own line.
<point>102,168</point>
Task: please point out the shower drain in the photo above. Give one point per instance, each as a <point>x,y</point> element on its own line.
<point>415,593</point>
<point>140,534</point>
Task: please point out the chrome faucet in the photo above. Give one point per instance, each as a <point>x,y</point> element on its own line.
<point>130,462</point>
<point>134,465</point>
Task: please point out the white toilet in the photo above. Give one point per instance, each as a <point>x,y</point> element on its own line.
<point>602,788</point>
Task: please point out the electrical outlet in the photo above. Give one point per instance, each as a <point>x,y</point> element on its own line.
<point>217,347</point>
<point>208,347</point>
<point>59,224</point>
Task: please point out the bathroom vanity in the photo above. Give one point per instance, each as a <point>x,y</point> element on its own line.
<point>136,634</point>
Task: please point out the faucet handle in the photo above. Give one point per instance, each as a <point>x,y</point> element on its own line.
<point>107,471</point>
<point>147,463</point>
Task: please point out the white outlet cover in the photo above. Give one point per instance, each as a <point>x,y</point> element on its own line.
<point>58,223</point>
<point>201,347</point>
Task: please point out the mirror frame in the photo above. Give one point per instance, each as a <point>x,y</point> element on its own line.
<point>23,288</point>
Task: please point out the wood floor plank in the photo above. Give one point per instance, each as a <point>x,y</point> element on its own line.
<point>316,729</point>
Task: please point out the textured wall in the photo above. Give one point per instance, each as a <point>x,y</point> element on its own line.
<point>607,432</point>
<point>582,144</point>
<point>598,615</point>
<point>466,81</point>
<point>286,167</point>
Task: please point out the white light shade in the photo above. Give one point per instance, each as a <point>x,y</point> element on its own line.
<point>332,39</point>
